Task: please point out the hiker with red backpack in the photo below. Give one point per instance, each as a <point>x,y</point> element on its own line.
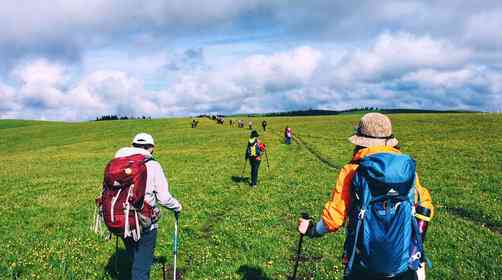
<point>133,188</point>
<point>385,208</point>
<point>254,150</point>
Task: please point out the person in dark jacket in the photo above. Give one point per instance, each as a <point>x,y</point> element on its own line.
<point>264,125</point>
<point>253,151</point>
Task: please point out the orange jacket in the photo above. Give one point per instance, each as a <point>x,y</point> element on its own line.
<point>336,209</point>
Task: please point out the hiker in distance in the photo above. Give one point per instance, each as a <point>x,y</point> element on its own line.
<point>385,208</point>
<point>254,150</point>
<point>264,125</point>
<point>250,125</point>
<point>288,134</point>
<point>156,193</point>
<point>195,123</point>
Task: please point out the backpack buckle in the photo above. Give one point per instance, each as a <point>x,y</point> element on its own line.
<point>416,257</point>
<point>361,214</point>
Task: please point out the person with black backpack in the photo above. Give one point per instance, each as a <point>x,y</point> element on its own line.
<point>133,188</point>
<point>385,208</point>
<point>254,150</point>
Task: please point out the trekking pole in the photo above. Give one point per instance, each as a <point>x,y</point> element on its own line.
<point>299,250</point>
<point>244,168</point>
<point>175,249</point>
<point>266,157</point>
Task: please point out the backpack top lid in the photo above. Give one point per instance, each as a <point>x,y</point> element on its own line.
<point>386,171</point>
<point>123,171</point>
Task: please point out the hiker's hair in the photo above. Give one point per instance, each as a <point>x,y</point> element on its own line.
<point>357,149</point>
<point>142,146</point>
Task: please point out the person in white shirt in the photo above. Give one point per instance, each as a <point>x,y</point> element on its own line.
<point>156,193</point>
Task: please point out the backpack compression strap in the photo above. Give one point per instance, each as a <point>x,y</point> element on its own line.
<point>365,204</point>
<point>358,227</point>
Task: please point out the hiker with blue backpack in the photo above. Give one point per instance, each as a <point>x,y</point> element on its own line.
<point>385,208</point>
<point>253,153</point>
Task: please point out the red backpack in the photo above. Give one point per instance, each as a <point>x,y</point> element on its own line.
<point>122,201</point>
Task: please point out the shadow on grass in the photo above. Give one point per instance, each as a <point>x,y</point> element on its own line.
<point>252,273</point>
<point>239,179</point>
<point>119,265</point>
<point>475,218</point>
<point>316,153</point>
<point>169,271</point>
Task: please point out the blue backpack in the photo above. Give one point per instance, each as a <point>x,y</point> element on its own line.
<point>382,231</point>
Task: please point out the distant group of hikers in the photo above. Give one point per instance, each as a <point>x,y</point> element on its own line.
<point>377,197</point>
<point>240,123</point>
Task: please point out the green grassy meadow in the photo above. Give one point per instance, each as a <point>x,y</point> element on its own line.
<point>50,173</point>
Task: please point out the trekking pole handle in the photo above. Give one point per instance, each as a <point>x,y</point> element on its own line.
<point>305,216</point>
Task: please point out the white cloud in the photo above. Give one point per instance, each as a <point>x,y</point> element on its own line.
<point>483,29</point>
<point>393,54</point>
<point>44,87</point>
<point>396,70</point>
<point>39,83</point>
<point>39,72</point>
<point>110,92</point>
<point>281,70</point>
<point>29,21</point>
<point>431,78</point>
<point>9,105</point>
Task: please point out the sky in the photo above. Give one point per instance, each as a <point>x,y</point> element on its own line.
<point>80,59</point>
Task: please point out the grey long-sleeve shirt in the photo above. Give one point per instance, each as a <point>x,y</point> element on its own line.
<point>157,187</point>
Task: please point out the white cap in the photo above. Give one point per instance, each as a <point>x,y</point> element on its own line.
<point>143,138</point>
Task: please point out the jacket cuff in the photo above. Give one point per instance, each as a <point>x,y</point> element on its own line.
<point>317,230</point>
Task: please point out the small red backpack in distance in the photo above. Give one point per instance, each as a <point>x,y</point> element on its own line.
<point>122,200</point>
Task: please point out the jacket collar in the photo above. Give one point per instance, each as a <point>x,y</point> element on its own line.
<point>373,150</point>
<point>129,151</point>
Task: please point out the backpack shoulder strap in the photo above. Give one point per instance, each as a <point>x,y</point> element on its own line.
<point>365,201</point>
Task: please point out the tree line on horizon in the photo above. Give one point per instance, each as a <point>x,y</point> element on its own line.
<point>309,112</point>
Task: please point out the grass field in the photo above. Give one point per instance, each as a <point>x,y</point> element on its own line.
<point>51,172</point>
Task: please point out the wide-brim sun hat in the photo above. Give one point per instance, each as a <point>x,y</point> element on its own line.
<point>374,129</point>
<point>143,139</point>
